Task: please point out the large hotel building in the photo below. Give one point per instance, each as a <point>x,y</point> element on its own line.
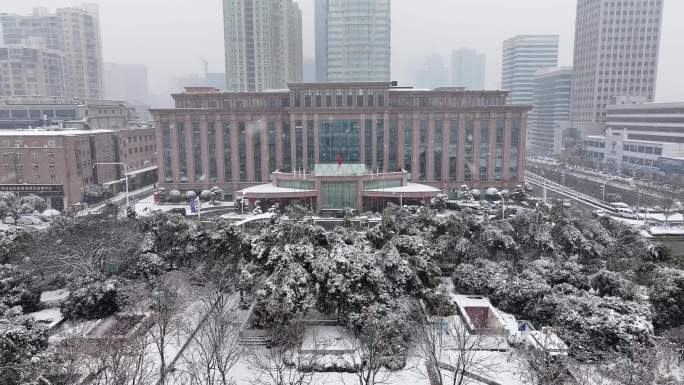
<point>340,143</point>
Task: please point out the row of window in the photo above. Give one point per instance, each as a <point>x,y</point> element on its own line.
<point>340,140</point>
<point>639,161</point>
<point>643,149</point>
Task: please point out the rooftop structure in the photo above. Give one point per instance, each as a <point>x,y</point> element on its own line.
<point>479,315</point>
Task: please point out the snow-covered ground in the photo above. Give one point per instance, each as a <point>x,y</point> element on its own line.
<point>146,206</point>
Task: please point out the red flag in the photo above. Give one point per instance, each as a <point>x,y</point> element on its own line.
<point>340,159</point>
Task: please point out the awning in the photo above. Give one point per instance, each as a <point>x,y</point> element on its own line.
<point>271,191</point>
<point>409,190</point>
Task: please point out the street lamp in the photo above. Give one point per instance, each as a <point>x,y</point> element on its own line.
<point>125,171</point>
<point>503,205</point>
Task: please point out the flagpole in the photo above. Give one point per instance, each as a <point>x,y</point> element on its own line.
<point>199,209</point>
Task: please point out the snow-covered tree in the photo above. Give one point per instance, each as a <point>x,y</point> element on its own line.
<point>91,298</point>
<point>17,289</point>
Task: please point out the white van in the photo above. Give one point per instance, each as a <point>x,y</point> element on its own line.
<point>626,213</point>
<point>619,205</point>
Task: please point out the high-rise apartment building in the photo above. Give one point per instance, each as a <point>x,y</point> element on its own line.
<point>353,40</point>
<point>75,31</point>
<point>523,56</point>
<point>263,44</point>
<point>616,54</point>
<point>468,69</point>
<point>30,68</point>
<point>551,107</point>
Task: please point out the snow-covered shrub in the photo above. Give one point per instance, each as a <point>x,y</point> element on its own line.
<point>91,298</point>
<point>439,202</point>
<point>149,265</point>
<point>667,298</point>
<point>205,195</point>
<point>93,193</point>
<point>440,304</point>
<point>608,283</point>
<point>174,196</point>
<point>16,288</point>
<point>190,195</point>
<point>21,338</point>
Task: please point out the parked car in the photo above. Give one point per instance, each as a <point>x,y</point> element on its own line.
<point>626,213</point>
<point>598,213</point>
<point>177,210</point>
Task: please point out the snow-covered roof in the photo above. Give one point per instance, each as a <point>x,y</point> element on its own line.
<point>548,341</point>
<point>408,188</point>
<point>269,188</point>
<point>41,132</point>
<point>50,317</point>
<point>54,295</point>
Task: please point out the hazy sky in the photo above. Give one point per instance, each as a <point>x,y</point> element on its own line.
<point>170,35</point>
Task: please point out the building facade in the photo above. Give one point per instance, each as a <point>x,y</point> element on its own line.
<point>263,44</point>
<point>552,90</point>
<point>73,31</point>
<point>617,44</point>
<point>353,40</point>
<point>57,164</point>
<point>468,69</point>
<point>443,138</point>
<point>639,137</point>
<point>39,111</point>
<point>523,56</point>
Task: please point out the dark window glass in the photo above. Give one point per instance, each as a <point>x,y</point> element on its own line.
<point>359,100</point>
<point>350,100</point>
<point>408,145</point>
<point>307,100</point>
<point>227,153</point>
<point>484,148</point>
<point>310,145</point>
<point>338,100</point>
<point>453,150</point>
<point>371,100</point>
<point>197,151</point>
<point>256,145</point>
<point>339,140</point>
<point>393,143</point>
<point>515,136</point>
<point>182,152</point>
<point>242,151</point>
<point>369,143</point>
<point>168,161</point>
<point>271,146</point>
<point>422,150</point>
<point>328,100</point>
<point>380,144</point>
<point>439,131</point>
<point>211,141</point>
<point>299,143</point>
<point>381,100</point>
<point>319,101</point>
<point>498,161</point>
<point>287,150</point>
<point>468,166</point>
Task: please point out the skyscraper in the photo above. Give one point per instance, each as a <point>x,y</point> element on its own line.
<point>468,69</point>
<point>551,106</point>
<point>126,82</point>
<point>616,54</point>
<point>75,31</point>
<point>263,44</point>
<point>352,40</point>
<point>523,56</point>
<point>433,74</point>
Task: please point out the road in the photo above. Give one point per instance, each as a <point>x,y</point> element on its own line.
<point>559,189</point>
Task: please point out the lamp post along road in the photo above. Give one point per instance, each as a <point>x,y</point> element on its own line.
<point>503,205</point>
<point>125,172</point>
